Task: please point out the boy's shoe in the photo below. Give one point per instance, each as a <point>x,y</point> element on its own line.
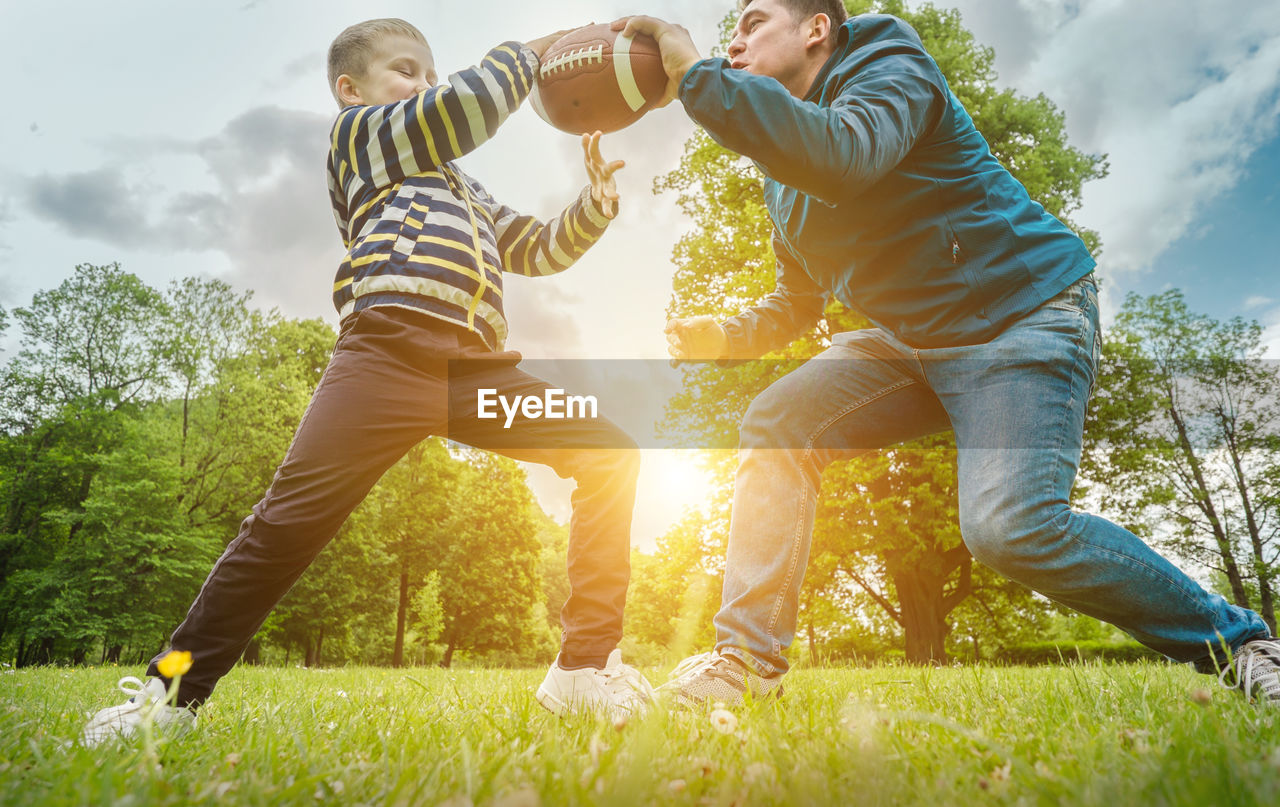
<point>616,690</point>
<point>713,678</point>
<point>147,703</point>
<point>1255,670</point>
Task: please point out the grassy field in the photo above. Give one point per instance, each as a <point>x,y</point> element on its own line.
<point>1143,734</point>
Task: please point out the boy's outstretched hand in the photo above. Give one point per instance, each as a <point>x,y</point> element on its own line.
<point>604,191</point>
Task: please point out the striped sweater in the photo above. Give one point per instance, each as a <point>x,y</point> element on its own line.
<point>419,232</point>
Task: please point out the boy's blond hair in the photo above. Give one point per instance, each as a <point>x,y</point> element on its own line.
<point>353,48</point>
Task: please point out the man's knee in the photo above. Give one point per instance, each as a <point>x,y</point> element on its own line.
<point>1014,538</point>
<point>768,422</point>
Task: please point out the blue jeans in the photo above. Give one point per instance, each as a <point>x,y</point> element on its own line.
<point>1017,407</point>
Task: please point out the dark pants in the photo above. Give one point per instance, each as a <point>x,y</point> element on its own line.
<point>393,380</point>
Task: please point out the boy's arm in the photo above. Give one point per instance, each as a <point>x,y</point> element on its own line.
<point>530,247</point>
<point>384,144</point>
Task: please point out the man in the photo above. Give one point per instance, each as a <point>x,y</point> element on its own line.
<point>883,194</point>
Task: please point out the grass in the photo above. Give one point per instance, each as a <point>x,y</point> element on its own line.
<point>1094,734</point>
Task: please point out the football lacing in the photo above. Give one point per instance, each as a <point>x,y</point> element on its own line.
<point>573,58</point>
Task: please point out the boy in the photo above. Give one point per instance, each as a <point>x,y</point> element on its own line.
<point>419,294</point>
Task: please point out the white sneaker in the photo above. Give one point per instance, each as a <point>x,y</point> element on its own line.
<point>1255,670</point>
<point>616,690</point>
<point>147,703</point>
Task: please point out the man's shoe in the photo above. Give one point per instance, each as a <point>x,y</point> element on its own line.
<point>1255,670</point>
<point>617,690</point>
<point>147,703</point>
<point>713,678</point>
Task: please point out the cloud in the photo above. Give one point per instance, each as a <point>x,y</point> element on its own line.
<point>267,210</point>
<point>93,204</point>
<point>1178,94</point>
<point>1256,301</point>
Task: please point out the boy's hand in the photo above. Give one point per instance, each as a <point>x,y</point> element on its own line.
<point>539,46</point>
<point>696,338</point>
<point>604,191</point>
<point>678,51</point>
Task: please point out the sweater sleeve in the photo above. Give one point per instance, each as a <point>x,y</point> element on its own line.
<point>384,144</point>
<point>783,315</point>
<point>827,152</point>
<point>527,246</point>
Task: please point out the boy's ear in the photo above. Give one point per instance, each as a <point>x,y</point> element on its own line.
<point>347,91</point>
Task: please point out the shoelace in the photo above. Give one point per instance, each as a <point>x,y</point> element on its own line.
<point>627,677</point>
<point>133,687</point>
<point>1260,658</point>
<point>693,665</point>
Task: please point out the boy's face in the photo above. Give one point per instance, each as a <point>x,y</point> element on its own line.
<point>402,68</point>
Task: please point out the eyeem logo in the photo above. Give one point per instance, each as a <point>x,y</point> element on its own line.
<point>553,404</point>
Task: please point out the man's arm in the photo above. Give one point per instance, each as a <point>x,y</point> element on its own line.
<point>384,144</point>
<point>783,315</point>
<point>829,153</point>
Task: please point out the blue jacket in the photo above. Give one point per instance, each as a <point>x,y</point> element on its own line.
<point>883,193</point>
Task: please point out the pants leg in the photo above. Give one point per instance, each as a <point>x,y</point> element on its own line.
<point>1018,407</point>
<point>861,394</point>
<point>383,391</point>
<point>605,463</point>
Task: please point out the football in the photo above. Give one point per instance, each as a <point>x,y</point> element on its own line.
<point>595,78</point>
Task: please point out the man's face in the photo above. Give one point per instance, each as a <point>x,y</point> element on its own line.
<point>768,41</point>
<point>402,68</point>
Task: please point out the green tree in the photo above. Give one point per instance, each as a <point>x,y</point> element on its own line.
<point>725,264</point>
<point>1184,439</point>
<point>488,559</point>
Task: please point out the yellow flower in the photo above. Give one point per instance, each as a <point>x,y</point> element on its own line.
<point>175,663</point>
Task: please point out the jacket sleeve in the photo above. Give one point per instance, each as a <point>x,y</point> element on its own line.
<point>783,315</point>
<point>385,144</point>
<point>827,152</point>
<point>527,246</point>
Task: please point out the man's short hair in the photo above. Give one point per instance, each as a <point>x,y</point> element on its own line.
<point>804,9</point>
<point>353,49</point>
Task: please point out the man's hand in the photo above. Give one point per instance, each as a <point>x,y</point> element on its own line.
<point>678,51</point>
<point>603,189</point>
<point>539,46</point>
<point>696,339</point>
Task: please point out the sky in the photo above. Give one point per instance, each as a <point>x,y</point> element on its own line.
<point>189,139</point>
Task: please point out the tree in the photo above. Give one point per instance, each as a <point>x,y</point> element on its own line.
<point>724,264</point>
<point>488,557</point>
<point>1184,439</point>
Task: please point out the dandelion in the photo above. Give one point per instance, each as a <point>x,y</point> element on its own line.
<point>174,664</point>
<point>1201,696</point>
<point>724,721</point>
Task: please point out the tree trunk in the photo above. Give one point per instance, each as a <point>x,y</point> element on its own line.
<point>319,645</point>
<point>1205,502</point>
<point>924,602</point>
<point>448,653</point>
<point>397,655</point>
<point>309,660</point>
<point>922,618</point>
<point>1255,534</point>
<point>113,653</point>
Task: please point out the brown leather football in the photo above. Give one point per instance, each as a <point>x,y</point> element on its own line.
<point>594,78</point>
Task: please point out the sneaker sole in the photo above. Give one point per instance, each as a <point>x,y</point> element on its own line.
<point>551,703</point>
